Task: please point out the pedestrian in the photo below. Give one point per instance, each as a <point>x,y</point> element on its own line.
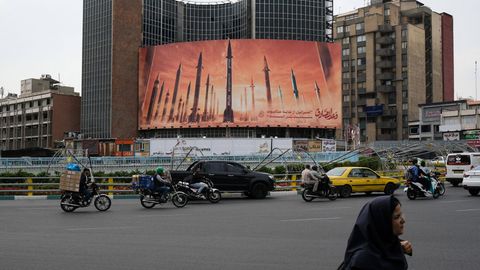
<point>374,242</point>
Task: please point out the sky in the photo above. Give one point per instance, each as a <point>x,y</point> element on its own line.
<point>45,37</point>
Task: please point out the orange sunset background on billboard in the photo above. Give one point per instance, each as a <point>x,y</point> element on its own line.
<point>273,83</point>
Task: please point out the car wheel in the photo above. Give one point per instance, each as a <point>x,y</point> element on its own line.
<point>455,183</point>
<point>389,189</point>
<point>368,192</point>
<point>346,191</point>
<point>259,191</point>
<point>474,192</point>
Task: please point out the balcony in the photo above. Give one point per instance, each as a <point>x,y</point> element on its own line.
<point>387,125</point>
<point>385,88</point>
<point>389,112</point>
<point>385,76</point>
<point>385,40</point>
<point>385,28</point>
<point>386,64</point>
<point>385,52</point>
<point>361,91</point>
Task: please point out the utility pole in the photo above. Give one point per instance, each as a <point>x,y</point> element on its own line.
<point>476,94</point>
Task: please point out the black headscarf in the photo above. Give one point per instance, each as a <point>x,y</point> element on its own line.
<point>372,244</point>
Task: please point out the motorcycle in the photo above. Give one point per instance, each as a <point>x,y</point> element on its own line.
<point>149,196</point>
<point>69,201</point>
<point>416,189</point>
<point>210,193</point>
<point>325,190</point>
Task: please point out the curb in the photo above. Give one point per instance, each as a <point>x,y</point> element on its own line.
<point>56,197</point>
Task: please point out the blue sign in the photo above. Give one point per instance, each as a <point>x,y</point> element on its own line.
<point>374,110</point>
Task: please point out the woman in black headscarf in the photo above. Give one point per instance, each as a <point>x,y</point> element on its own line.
<point>374,242</point>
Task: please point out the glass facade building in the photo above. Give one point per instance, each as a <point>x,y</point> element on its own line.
<point>169,21</point>
<point>96,68</point>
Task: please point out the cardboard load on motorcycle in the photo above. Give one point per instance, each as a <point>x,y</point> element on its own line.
<point>70,181</point>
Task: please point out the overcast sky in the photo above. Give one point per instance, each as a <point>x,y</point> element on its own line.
<point>45,37</point>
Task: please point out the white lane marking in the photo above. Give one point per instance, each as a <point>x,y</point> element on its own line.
<point>468,210</point>
<point>329,208</point>
<point>160,215</point>
<point>99,228</point>
<point>309,219</point>
<point>455,201</point>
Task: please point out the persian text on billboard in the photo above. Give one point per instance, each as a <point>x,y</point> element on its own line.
<point>240,83</point>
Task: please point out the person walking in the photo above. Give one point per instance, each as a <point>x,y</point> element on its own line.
<point>374,242</point>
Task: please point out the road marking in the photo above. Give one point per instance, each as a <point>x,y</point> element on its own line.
<point>99,228</point>
<point>309,219</point>
<point>455,201</point>
<point>468,210</point>
<point>329,208</point>
<point>173,215</point>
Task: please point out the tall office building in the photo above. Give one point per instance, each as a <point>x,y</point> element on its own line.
<point>114,30</point>
<point>396,54</point>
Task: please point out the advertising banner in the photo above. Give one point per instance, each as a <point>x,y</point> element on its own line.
<point>329,146</point>
<point>451,136</point>
<point>216,147</point>
<point>472,135</point>
<point>314,146</point>
<point>300,145</point>
<point>240,83</point>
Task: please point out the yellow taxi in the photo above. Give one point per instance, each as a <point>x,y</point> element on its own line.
<point>350,180</point>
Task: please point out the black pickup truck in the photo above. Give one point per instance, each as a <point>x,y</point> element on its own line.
<point>230,176</point>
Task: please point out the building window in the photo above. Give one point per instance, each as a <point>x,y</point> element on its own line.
<point>386,12</point>
<point>404,33</point>
<point>361,61</point>
<point>346,86</point>
<point>405,106</point>
<point>340,29</point>
<point>360,26</point>
<point>361,38</point>
<point>346,52</point>
<point>346,40</point>
<point>346,98</point>
<point>346,75</point>
<point>361,49</point>
<point>361,85</point>
<point>346,64</point>
<point>404,45</point>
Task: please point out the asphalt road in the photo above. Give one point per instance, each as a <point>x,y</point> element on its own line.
<point>280,232</point>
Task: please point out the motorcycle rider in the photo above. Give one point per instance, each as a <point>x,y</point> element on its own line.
<point>196,181</point>
<point>425,173</point>
<point>84,182</point>
<point>415,174</point>
<point>318,178</point>
<point>162,183</point>
<point>306,174</point>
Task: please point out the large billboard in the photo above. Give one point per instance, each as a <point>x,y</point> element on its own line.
<point>240,83</point>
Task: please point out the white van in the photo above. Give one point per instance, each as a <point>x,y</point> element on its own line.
<point>459,163</point>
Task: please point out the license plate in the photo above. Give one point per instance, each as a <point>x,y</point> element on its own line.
<point>457,171</point>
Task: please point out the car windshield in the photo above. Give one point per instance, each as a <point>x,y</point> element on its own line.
<point>336,171</point>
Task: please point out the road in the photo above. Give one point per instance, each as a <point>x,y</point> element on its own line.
<point>280,232</point>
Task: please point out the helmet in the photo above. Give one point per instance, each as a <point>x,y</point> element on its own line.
<point>73,167</point>
<point>159,170</point>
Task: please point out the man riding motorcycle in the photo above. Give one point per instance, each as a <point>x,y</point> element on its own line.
<point>417,175</point>
<point>319,179</point>
<point>161,183</point>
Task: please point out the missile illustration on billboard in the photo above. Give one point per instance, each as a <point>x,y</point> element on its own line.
<point>153,98</point>
<point>317,93</point>
<point>159,102</point>
<point>294,85</point>
<point>254,114</point>
<point>180,115</point>
<point>210,109</point>
<point>246,103</point>
<point>175,92</point>
<point>194,114</point>
<point>184,115</point>
<point>205,110</point>
<point>228,113</point>
<point>266,69</point>
<point>280,95</point>
<point>164,112</point>
<point>178,109</point>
